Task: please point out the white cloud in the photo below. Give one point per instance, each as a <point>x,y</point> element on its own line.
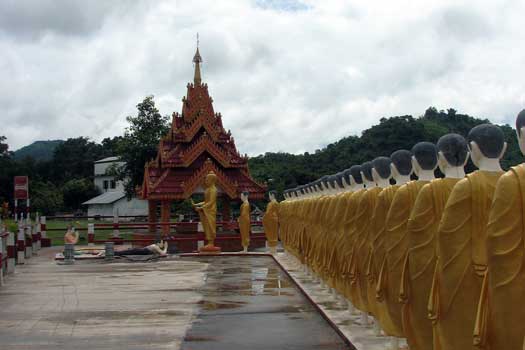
<point>286,75</point>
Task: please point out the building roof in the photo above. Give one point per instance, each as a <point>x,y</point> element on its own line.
<point>108,160</point>
<point>106,198</point>
<point>197,144</point>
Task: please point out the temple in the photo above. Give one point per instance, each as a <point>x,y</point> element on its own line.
<point>196,144</point>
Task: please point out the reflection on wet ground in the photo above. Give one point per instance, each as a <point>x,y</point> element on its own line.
<point>248,302</point>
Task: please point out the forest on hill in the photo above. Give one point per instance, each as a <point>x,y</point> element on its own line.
<point>391,134</point>
<point>64,181</point>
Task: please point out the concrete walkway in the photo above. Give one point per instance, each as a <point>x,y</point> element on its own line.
<point>250,303</point>
<point>95,305</point>
<point>235,302</point>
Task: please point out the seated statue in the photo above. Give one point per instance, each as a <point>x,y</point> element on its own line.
<point>461,244</point>
<point>71,236</point>
<point>422,228</point>
<point>500,314</point>
<point>424,162</point>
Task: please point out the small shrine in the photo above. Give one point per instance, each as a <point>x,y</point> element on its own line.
<point>196,144</point>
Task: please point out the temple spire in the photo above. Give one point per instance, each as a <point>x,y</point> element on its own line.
<point>197,59</point>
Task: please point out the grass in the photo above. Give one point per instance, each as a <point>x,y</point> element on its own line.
<point>57,237</point>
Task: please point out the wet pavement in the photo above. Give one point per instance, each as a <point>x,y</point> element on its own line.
<point>248,302</point>
<point>240,302</point>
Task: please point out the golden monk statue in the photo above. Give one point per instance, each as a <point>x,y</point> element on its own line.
<point>244,221</point>
<point>271,222</point>
<point>500,315</point>
<point>400,170</point>
<point>462,244</point>
<point>208,212</point>
<point>422,229</point>
<point>362,223</point>
<point>424,162</point>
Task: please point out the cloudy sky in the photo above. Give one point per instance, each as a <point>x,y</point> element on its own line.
<point>287,75</point>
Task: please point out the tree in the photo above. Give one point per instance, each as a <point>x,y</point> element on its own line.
<point>4,147</point>
<point>140,142</point>
<point>77,191</point>
<point>46,198</point>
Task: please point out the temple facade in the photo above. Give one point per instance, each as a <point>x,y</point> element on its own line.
<point>196,144</point>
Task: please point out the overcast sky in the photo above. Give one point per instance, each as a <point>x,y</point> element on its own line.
<point>286,75</point>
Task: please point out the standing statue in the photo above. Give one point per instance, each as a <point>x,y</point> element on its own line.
<point>271,222</point>
<point>424,162</point>
<point>499,324</point>
<point>462,243</point>
<point>208,212</point>
<point>244,221</point>
<point>422,229</point>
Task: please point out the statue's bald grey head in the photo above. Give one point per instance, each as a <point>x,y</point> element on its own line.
<point>355,171</point>
<point>454,148</point>
<point>489,138</point>
<point>382,166</point>
<point>426,154</point>
<point>339,179</point>
<point>402,159</point>
<point>366,169</point>
<point>520,122</point>
<point>346,176</point>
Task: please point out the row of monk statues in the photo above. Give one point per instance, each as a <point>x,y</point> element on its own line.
<point>436,261</point>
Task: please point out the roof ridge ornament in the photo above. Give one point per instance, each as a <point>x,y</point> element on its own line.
<point>197,59</point>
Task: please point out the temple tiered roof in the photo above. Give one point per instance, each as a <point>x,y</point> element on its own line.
<point>196,144</point>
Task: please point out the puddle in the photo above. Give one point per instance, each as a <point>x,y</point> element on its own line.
<point>249,302</point>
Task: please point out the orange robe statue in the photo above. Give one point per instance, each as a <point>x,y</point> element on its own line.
<point>208,209</point>
<point>500,323</point>
<point>462,261</point>
<point>245,224</point>
<point>396,247</point>
<point>421,261</point>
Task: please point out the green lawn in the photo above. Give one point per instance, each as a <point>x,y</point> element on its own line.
<point>57,237</point>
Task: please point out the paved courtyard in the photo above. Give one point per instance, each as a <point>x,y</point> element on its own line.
<point>189,303</point>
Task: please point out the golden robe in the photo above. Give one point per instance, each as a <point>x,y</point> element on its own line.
<point>350,281</point>
<point>339,257</point>
<point>271,223</point>
<point>501,317</point>
<point>421,260</point>
<point>245,224</point>
<point>208,214</point>
<point>363,248</point>
<point>384,199</point>
<point>462,261</point>
<point>396,247</point>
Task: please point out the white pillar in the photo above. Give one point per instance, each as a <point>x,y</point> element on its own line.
<point>21,243</point>
<point>16,208</point>
<point>28,233</point>
<point>91,234</point>
<point>116,231</point>
<point>2,256</point>
<point>11,253</point>
<point>38,231</point>
<point>43,226</point>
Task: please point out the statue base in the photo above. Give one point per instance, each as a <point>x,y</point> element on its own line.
<point>210,249</point>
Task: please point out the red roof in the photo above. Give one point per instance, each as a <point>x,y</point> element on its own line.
<point>196,144</point>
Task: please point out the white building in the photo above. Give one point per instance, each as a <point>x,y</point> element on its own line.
<point>113,199</point>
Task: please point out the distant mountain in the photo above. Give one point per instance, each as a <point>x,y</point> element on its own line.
<point>38,150</point>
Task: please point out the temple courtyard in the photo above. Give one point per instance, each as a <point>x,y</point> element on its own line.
<point>180,302</point>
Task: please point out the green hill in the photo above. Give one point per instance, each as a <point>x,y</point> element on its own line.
<point>284,170</point>
<point>38,150</point>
